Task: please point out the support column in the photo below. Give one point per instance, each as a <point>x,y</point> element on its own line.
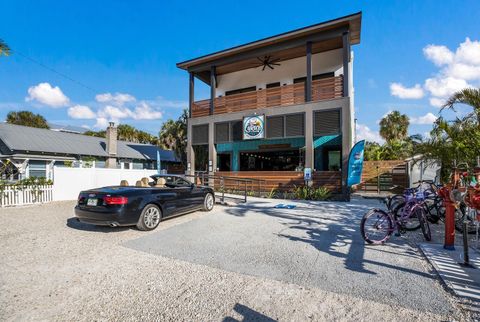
<point>346,60</point>
<point>308,82</point>
<point>309,152</point>
<point>213,87</point>
<point>212,152</point>
<point>347,145</point>
<point>190,152</point>
<point>191,93</point>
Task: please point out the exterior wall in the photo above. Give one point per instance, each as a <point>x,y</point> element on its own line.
<point>330,61</point>
<point>68,182</point>
<point>308,108</point>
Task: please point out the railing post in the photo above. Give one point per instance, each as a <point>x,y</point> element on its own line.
<point>245,190</point>
<point>223,189</point>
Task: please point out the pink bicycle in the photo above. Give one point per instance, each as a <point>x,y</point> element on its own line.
<point>377,225</point>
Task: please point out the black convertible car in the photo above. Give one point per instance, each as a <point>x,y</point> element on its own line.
<point>144,204</point>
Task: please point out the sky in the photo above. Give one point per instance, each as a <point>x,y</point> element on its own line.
<point>87,62</point>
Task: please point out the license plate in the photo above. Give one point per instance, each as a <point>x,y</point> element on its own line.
<point>91,202</point>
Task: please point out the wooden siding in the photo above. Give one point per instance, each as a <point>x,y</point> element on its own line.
<point>281,180</point>
<point>293,94</point>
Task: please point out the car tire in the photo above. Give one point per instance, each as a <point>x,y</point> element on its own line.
<point>208,202</point>
<point>149,218</point>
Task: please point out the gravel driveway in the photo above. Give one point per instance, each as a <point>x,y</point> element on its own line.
<point>233,264</point>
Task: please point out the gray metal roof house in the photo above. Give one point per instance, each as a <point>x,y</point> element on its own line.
<point>32,151</point>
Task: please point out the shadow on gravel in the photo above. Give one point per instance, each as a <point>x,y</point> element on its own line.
<point>327,233</point>
<point>247,315</point>
<point>75,224</point>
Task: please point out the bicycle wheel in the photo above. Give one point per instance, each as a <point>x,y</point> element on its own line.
<point>376,226</point>
<point>408,221</point>
<point>394,201</point>
<point>422,219</point>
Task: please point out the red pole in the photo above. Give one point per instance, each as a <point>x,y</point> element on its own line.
<point>449,204</point>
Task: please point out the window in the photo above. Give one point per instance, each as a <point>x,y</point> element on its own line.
<point>222,132</point>
<point>275,126</point>
<point>200,134</point>
<point>294,125</point>
<point>314,77</point>
<point>241,90</point>
<point>37,169</point>
<point>237,131</point>
<point>326,123</point>
<point>272,85</point>
<point>290,125</point>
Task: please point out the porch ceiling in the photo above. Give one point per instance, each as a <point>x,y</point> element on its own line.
<point>324,36</point>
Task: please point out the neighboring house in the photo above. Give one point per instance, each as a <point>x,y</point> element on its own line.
<point>27,151</point>
<point>277,105</point>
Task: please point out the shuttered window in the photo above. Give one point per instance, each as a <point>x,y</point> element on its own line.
<point>237,131</point>
<point>294,125</point>
<point>327,122</point>
<point>200,134</point>
<point>222,132</point>
<point>275,127</point>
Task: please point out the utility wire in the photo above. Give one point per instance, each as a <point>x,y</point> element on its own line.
<point>55,71</point>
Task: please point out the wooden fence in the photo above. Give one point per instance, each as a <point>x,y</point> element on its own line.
<point>381,176</point>
<point>13,195</point>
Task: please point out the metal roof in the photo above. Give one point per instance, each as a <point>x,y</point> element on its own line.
<point>29,140</point>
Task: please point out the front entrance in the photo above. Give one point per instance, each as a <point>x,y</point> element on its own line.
<point>224,162</point>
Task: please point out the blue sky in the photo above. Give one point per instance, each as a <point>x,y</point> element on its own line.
<point>412,54</point>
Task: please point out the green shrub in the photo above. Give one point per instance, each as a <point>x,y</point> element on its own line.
<point>320,193</point>
<point>272,194</point>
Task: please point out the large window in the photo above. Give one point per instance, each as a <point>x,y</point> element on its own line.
<point>327,122</point>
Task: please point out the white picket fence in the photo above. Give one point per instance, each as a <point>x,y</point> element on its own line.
<point>25,195</point>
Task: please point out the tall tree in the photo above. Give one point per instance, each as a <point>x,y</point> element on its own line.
<point>394,127</point>
<point>456,141</point>
<point>173,136</point>
<point>4,49</point>
<point>27,118</point>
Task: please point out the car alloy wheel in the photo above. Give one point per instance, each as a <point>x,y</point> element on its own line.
<point>151,217</point>
<point>209,202</point>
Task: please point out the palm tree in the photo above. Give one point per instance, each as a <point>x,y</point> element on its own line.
<point>467,96</point>
<point>173,136</point>
<point>394,127</point>
<point>4,49</point>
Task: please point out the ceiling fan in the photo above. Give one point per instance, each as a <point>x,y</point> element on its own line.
<point>267,61</point>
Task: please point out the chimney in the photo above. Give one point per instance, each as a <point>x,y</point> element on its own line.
<point>111,137</point>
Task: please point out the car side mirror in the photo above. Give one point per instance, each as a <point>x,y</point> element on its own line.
<point>192,185</point>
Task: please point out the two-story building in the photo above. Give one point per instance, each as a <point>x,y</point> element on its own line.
<point>277,105</point>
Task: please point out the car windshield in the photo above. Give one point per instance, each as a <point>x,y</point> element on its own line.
<point>174,181</point>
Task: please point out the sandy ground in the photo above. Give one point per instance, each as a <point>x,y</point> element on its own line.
<point>53,268</point>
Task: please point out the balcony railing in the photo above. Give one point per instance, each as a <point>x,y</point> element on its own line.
<point>322,89</point>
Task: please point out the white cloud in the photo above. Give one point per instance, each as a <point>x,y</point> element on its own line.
<point>458,69</point>
<point>81,112</point>
<point>439,55</point>
<point>47,95</point>
<point>426,119</point>
<point>102,123</point>
<point>144,112</point>
<point>165,103</point>
<point>116,99</point>
<point>444,86</point>
<point>115,113</point>
<point>365,133</point>
<point>400,91</point>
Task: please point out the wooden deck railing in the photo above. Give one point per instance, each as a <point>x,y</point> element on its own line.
<point>322,89</point>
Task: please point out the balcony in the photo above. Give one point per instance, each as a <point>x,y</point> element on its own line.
<point>322,89</point>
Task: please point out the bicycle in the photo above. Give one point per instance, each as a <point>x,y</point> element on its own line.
<point>377,225</point>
